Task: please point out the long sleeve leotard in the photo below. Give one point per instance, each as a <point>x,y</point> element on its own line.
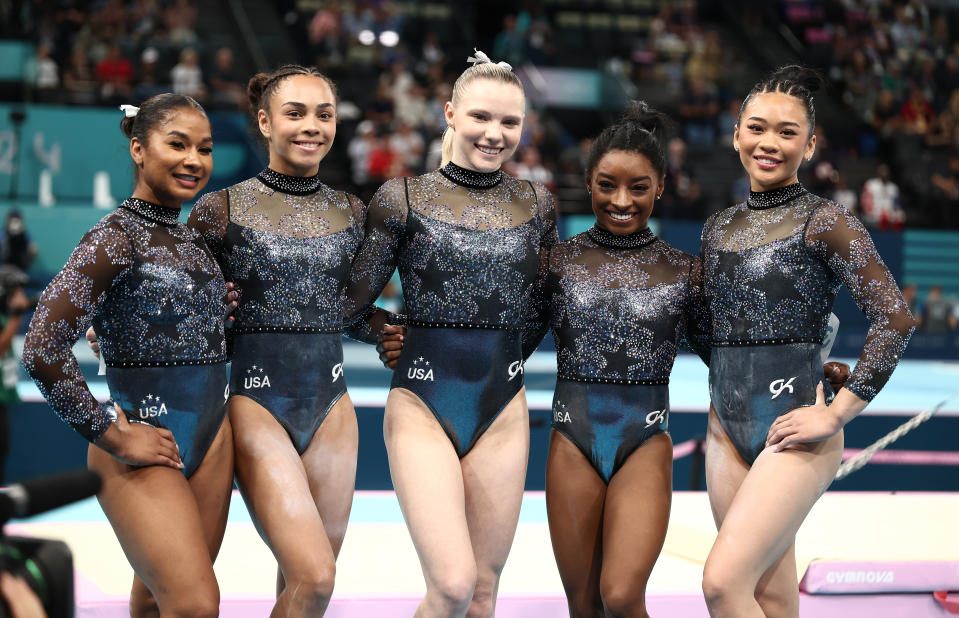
<point>472,251</point>
<point>154,294</point>
<point>773,266</point>
<point>288,244</point>
<point>621,307</point>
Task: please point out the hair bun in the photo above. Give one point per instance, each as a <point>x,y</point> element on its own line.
<point>640,114</point>
<point>126,125</point>
<point>254,90</point>
<point>810,79</point>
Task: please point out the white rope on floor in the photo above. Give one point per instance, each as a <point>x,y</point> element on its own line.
<point>860,460</point>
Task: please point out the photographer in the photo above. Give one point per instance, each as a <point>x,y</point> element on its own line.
<point>13,304</point>
<point>21,600</point>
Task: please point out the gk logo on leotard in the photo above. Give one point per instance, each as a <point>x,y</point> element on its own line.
<point>776,387</point>
<point>151,407</point>
<point>515,368</point>
<point>420,370</point>
<point>255,378</point>
<point>337,371</point>
<point>655,418</point>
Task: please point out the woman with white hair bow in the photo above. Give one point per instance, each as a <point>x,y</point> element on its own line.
<point>472,245</point>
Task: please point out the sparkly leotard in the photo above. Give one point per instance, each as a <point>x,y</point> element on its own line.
<point>287,242</point>
<point>620,308</point>
<point>469,248</point>
<point>154,294</point>
<point>773,266</point>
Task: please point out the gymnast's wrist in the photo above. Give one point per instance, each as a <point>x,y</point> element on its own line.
<point>844,407</point>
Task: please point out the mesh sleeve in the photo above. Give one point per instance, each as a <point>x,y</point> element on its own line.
<point>696,335</point>
<point>839,239</point>
<point>375,261</point>
<point>209,217</point>
<point>64,312</point>
<point>537,309</point>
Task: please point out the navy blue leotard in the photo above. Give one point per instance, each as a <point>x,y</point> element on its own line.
<point>471,249</point>
<point>287,242</point>
<point>154,294</point>
<point>620,308</point>
<point>773,266</point>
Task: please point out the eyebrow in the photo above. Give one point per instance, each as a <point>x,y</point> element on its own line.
<point>182,135</point>
<point>788,122</point>
<point>303,105</point>
<point>486,111</point>
<point>638,179</point>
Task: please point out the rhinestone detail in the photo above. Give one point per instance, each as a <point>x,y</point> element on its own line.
<point>293,185</point>
<point>621,241</point>
<point>151,212</point>
<point>469,178</point>
<point>760,200</point>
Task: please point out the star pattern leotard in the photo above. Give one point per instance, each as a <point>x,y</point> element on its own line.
<point>471,249</point>
<point>621,306</point>
<point>154,294</point>
<point>287,242</point>
<point>773,266</point>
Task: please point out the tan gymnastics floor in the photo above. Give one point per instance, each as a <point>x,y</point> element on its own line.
<point>378,573</point>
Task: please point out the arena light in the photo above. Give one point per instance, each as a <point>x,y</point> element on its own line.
<point>367,37</point>
<point>389,38</point>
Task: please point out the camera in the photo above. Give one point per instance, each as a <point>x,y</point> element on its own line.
<point>12,278</point>
<point>46,565</point>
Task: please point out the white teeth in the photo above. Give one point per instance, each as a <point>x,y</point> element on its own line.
<point>618,217</point>
<point>489,151</point>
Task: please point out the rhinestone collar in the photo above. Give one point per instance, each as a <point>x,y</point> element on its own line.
<point>759,200</point>
<point>151,212</point>
<point>621,241</point>
<point>291,185</point>
<point>469,178</point>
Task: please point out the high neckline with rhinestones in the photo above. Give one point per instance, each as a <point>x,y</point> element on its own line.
<point>151,212</point>
<point>759,200</point>
<point>621,241</point>
<point>469,178</point>
<point>292,185</point>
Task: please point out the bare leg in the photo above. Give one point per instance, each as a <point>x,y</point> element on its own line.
<point>782,487</point>
<point>170,528</point>
<point>634,528</point>
<point>428,481</point>
<point>273,480</point>
<point>330,464</point>
<point>575,497</point>
<point>494,474</point>
<point>211,484</point>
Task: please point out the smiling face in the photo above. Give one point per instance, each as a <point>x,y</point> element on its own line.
<point>773,137</point>
<point>623,187</point>
<point>176,159</point>
<point>487,122</point>
<point>300,125</point>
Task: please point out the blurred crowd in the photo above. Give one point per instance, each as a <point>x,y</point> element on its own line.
<point>892,65</point>
<point>895,65</point>
<point>116,51</point>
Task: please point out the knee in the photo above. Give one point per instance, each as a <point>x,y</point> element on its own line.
<point>623,598</point>
<point>453,591</point>
<point>719,586</point>
<point>481,605</point>
<point>313,588</point>
<point>193,603</point>
<point>779,602</point>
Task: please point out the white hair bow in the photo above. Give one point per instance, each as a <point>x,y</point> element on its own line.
<point>129,110</point>
<point>481,58</point>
